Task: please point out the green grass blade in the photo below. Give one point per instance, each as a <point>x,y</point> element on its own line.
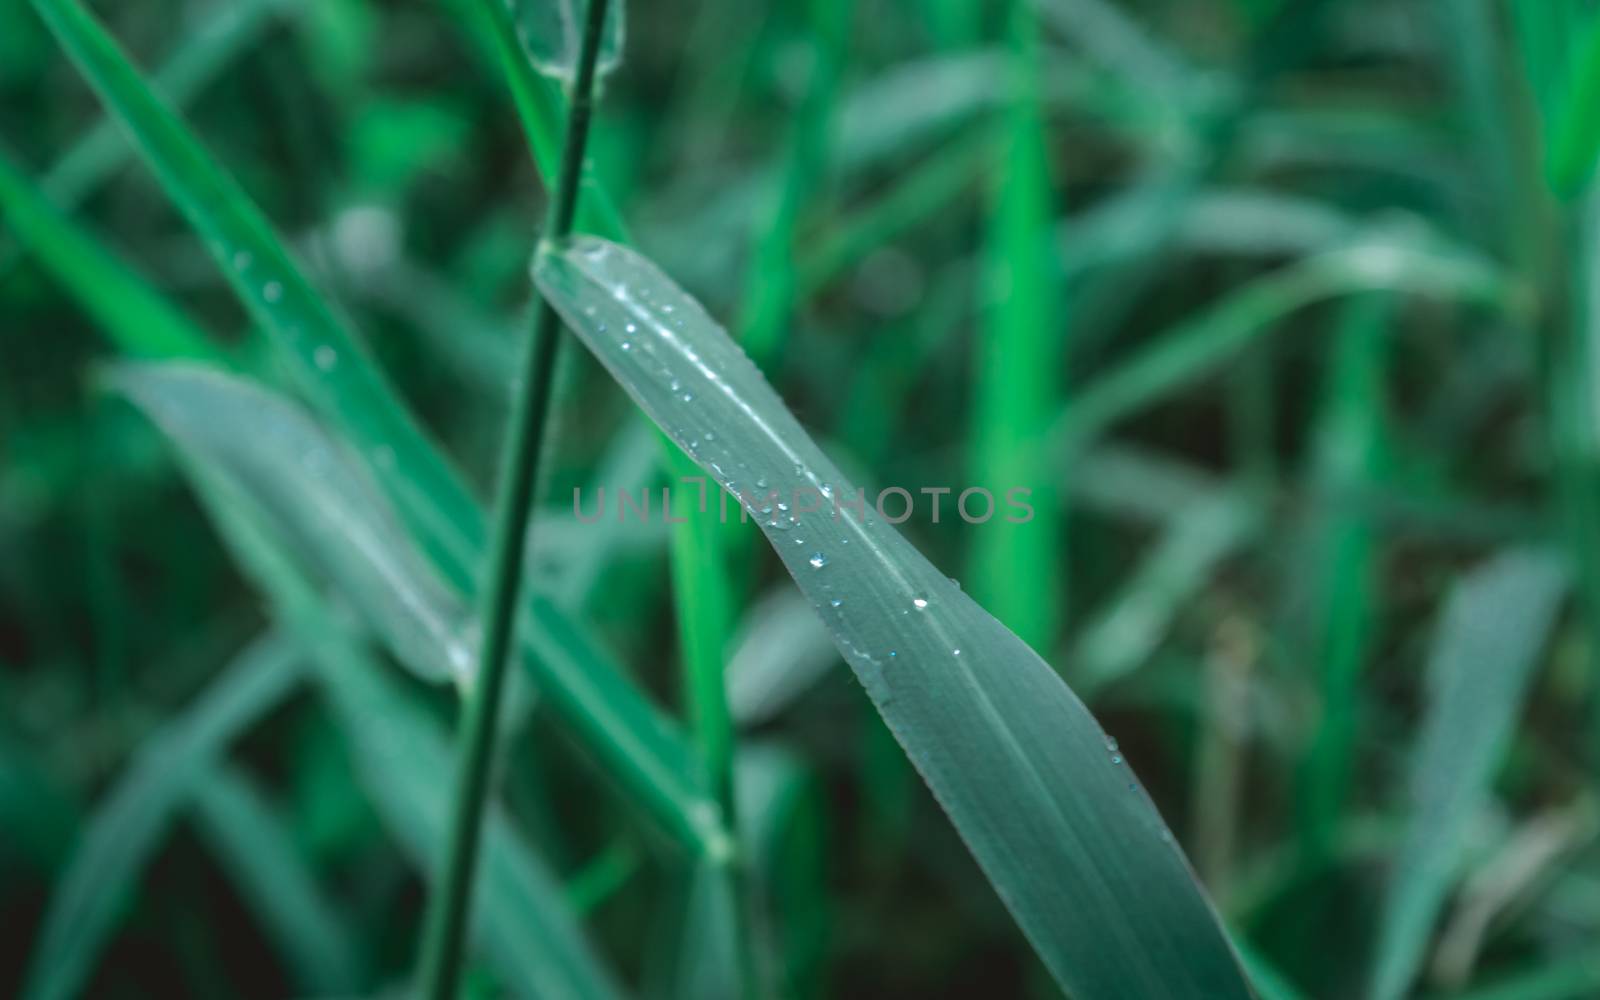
<point>328,363</point>
<point>227,32</point>
<point>140,320</point>
<point>128,825</point>
<point>1042,797</point>
<point>1122,636</point>
<point>403,761</point>
<point>1016,570</point>
<point>615,722</point>
<point>1574,132</point>
<point>771,293</point>
<point>1345,602</point>
<point>1485,649</point>
<point>317,495</point>
<point>254,844</point>
<point>780,651</point>
<point>1201,345</point>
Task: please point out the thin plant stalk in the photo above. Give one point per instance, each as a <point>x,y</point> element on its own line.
<point>448,909</point>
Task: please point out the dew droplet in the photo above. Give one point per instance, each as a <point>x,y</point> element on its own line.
<point>919,603</point>
<point>956,651</point>
<point>325,357</point>
<point>818,560</point>
<point>272,291</point>
<point>627,345</point>
<point>242,260</point>
<point>835,602</point>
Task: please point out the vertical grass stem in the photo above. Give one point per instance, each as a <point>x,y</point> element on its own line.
<point>445,930</point>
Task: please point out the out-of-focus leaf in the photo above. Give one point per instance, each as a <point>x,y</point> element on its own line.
<point>404,762</point>
<point>631,739</point>
<point>1041,795</point>
<point>128,825</point>
<point>780,651</point>
<point>253,843</point>
<point>1124,635</point>
<point>1485,648</point>
<point>317,496</point>
<point>140,320</point>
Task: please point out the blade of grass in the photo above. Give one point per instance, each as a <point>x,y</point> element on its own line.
<point>142,322</point>
<point>129,823</point>
<point>1485,649</point>
<point>228,30</point>
<point>703,607</point>
<point>1118,639</point>
<point>403,761</point>
<point>445,928</point>
<point>623,730</point>
<point>1573,142</point>
<point>317,495</point>
<point>1016,570</point>
<point>1348,454</point>
<point>326,360</point>
<point>1042,797</point>
<point>781,650</point>
<point>258,849</point>
<point>1202,344</point>
<point>771,287</point>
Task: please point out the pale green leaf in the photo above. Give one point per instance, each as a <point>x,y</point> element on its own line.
<point>1041,795</point>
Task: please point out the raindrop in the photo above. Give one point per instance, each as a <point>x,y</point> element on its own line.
<point>835,602</point>
<point>956,651</point>
<point>272,291</point>
<point>818,560</point>
<point>630,328</point>
<point>241,260</point>
<point>627,345</point>
<point>325,357</point>
<point>919,603</point>
<point>687,397</point>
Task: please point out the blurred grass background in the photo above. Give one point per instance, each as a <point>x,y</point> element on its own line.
<point>1281,310</point>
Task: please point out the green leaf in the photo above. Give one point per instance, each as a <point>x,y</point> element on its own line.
<point>319,497</point>
<point>780,651</point>
<point>631,739</point>
<point>549,31</point>
<point>1200,345</point>
<point>129,824</point>
<point>403,760</point>
<point>139,320</point>
<point>1485,648</point>
<point>258,850</point>
<point>1118,639</point>
<point>1040,794</point>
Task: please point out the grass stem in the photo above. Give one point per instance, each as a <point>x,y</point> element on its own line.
<point>445,929</point>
